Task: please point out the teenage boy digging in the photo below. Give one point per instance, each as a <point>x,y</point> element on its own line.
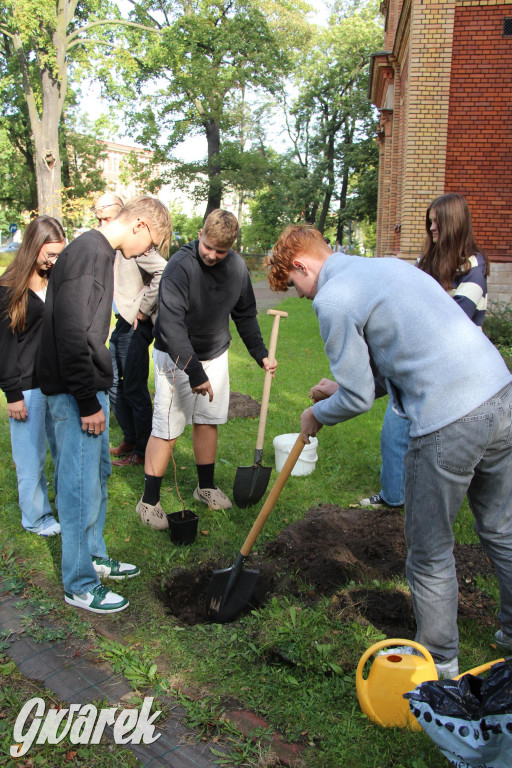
<point>202,285</point>
<point>75,372</point>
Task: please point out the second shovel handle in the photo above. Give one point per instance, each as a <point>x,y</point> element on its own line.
<point>273,495</point>
<point>278,314</point>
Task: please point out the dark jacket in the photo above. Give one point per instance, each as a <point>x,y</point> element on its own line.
<point>72,355</point>
<point>194,306</point>
<point>18,350</point>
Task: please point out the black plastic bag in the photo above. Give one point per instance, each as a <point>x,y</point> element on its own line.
<point>469,719</point>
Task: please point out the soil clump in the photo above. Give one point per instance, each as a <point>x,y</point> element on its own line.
<point>346,554</point>
<point>242,406</point>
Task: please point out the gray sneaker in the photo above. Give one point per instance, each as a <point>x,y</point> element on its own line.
<point>503,640</point>
<point>152,515</point>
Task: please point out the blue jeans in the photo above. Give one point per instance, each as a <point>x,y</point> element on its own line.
<point>472,456</point>
<point>129,395</point>
<point>394,441</point>
<point>28,444</point>
<point>84,467</point>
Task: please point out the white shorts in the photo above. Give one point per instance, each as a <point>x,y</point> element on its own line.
<point>176,405</point>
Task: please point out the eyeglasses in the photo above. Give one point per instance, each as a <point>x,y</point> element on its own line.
<point>153,244</point>
<point>98,210</point>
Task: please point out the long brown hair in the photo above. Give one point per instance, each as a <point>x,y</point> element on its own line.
<point>455,241</point>
<point>40,231</point>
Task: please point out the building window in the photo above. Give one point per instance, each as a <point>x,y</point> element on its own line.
<point>507,26</point>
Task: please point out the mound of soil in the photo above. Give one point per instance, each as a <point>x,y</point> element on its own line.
<point>242,406</point>
<point>331,551</point>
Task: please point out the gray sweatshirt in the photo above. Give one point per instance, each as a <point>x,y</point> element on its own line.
<point>389,327</point>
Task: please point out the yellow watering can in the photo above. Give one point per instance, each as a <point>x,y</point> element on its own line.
<point>390,676</point>
<point>381,693</point>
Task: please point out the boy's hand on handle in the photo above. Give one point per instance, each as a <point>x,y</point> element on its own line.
<point>324,389</point>
<point>204,389</point>
<point>309,426</point>
<point>269,366</point>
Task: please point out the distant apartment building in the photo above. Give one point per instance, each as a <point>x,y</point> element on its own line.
<point>115,165</point>
<point>117,160</point>
<point>443,87</point>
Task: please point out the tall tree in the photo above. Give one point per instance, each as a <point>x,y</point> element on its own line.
<point>38,40</point>
<point>332,112</point>
<point>210,51</point>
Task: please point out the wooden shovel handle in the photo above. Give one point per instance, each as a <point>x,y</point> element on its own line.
<point>272,497</point>
<point>268,376</point>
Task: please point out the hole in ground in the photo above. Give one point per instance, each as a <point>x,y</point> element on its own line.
<point>332,549</point>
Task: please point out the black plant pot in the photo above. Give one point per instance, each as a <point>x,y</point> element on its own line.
<point>182,526</point>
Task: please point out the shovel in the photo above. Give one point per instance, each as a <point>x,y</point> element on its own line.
<point>230,589</point>
<point>251,482</point>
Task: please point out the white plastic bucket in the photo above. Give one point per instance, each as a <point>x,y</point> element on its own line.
<point>305,464</point>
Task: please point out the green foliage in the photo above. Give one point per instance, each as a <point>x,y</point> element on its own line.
<point>139,670</point>
<point>185,228</point>
<point>498,324</point>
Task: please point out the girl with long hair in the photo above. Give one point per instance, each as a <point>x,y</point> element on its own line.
<point>452,257</point>
<point>22,295</point>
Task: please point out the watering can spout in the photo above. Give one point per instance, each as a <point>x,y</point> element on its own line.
<point>381,693</point>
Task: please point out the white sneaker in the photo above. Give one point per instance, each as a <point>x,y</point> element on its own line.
<point>108,568</point>
<point>51,530</point>
<point>99,600</point>
<point>447,670</point>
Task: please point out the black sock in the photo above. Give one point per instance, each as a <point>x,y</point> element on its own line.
<point>151,489</point>
<point>205,473</point>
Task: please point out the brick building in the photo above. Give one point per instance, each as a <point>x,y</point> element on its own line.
<point>443,86</point>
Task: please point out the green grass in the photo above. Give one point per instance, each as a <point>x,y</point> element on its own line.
<point>312,698</point>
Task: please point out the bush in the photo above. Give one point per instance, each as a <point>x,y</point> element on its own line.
<point>498,324</point>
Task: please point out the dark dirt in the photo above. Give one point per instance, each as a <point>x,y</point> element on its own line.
<point>331,551</point>
<point>242,406</point>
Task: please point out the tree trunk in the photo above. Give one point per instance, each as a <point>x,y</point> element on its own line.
<point>343,202</point>
<point>240,209</point>
<point>329,157</point>
<point>214,169</point>
<point>46,141</point>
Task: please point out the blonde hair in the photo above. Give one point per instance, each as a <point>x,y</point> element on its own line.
<point>293,240</point>
<point>221,227</point>
<point>158,215</point>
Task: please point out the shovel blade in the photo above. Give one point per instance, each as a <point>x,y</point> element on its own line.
<point>222,608</point>
<point>250,484</point>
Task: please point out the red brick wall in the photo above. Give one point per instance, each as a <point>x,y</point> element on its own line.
<point>479,148</point>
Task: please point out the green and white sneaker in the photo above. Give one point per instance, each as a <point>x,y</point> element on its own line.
<point>108,568</point>
<point>99,600</point>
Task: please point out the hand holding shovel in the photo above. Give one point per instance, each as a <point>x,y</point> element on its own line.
<point>251,482</point>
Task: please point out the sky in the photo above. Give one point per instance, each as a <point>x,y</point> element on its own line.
<point>195,147</point>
